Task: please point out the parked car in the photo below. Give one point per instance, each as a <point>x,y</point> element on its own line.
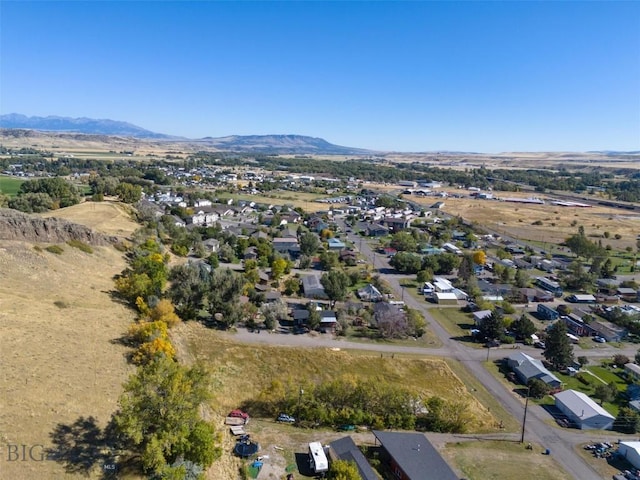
<point>284,418</point>
<point>599,340</point>
<point>540,344</point>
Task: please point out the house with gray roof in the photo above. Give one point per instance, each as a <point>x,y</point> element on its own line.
<point>526,367</point>
<point>411,456</point>
<point>346,449</point>
<point>312,287</point>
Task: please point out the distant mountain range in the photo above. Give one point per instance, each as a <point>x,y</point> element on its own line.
<point>77,125</point>
<point>270,144</point>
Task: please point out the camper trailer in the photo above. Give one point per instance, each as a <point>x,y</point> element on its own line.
<point>317,458</point>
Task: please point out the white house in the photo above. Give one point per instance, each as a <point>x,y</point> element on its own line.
<point>583,411</point>
<point>631,452</point>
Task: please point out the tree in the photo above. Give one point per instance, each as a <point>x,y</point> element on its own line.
<point>159,415</point>
<point>129,193</point>
<point>522,278</point>
<point>465,269</point>
<point>225,287</point>
<point>335,285</point>
<point>537,388</point>
<point>627,421</point>
<point>343,470</point>
<point>291,286</point>
<point>577,277</point>
<point>415,322</point>
<point>404,242</point>
<point>273,313</point>
<point>523,327</point>
<point>492,326</point>
<point>620,359</point>
<point>559,350</point>
<point>329,260</point>
<point>583,361</point>
<point>405,262</point>
<point>479,257</point>
<point>605,392</point>
<point>314,319</point>
<point>278,267</point>
<point>309,244</point>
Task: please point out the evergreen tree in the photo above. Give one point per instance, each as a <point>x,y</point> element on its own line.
<point>559,350</point>
<point>523,327</point>
<point>492,327</point>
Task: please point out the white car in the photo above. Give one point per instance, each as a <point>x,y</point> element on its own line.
<point>599,340</point>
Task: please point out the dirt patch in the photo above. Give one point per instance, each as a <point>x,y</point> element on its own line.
<point>109,218</point>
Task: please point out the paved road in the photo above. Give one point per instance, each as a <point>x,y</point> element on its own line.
<point>561,442</point>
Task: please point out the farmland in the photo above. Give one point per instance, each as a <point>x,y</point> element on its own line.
<point>9,185</point>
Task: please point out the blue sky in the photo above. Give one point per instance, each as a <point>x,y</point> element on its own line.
<point>405,76</point>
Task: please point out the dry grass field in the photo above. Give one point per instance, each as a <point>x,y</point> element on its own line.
<point>60,361</point>
<point>496,460</point>
<point>110,218</point>
<point>516,219</point>
<point>241,371</point>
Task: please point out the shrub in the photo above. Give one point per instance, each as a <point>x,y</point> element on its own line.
<point>537,222</point>
<point>61,304</point>
<point>583,378</point>
<point>37,248</point>
<point>80,246</point>
<point>57,249</point>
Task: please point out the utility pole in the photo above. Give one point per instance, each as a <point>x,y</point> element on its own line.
<point>299,402</point>
<point>524,419</point>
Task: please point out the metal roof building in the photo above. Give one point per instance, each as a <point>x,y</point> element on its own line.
<point>583,411</point>
<point>413,457</point>
<point>346,449</point>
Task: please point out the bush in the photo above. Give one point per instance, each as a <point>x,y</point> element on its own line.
<point>583,378</point>
<point>80,246</point>
<point>54,249</point>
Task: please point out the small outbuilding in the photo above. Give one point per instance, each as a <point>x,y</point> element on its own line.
<point>583,411</point>
<point>445,298</point>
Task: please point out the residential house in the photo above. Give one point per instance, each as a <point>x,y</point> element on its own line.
<point>526,367</point>
<point>288,245</point>
<point>205,216</point>
<point>632,371</point>
<point>335,244</point>
<point>328,320</point>
<point>583,411</point>
<point>312,287</point>
<point>370,294</point>
<point>376,230</point>
<point>348,256</point>
<point>211,244</point>
<point>411,456</point>
<point>627,294</point>
<point>346,449</point>
<point>272,296</point>
<point>479,316</point>
<point>397,224</point>
<point>250,253</point>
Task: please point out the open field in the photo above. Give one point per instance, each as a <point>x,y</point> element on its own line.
<point>9,185</point>
<point>241,371</point>
<point>60,360</point>
<point>489,460</point>
<point>306,201</point>
<point>110,218</point>
<point>516,220</point>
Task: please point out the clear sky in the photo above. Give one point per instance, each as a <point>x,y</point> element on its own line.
<point>406,76</point>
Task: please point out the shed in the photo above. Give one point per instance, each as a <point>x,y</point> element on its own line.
<point>446,298</point>
<point>583,411</point>
<point>631,452</point>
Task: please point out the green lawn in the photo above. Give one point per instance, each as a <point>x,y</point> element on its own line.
<point>10,185</point>
<point>456,323</point>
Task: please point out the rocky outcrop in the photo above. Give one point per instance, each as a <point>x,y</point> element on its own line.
<point>16,225</point>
